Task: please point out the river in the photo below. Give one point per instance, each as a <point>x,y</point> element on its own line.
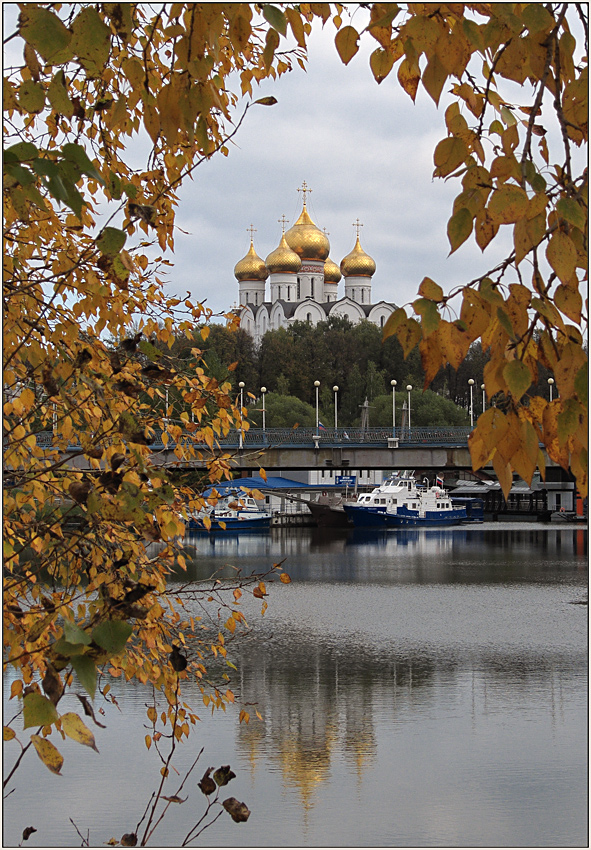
<point>416,688</point>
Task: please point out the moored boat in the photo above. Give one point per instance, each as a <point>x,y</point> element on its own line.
<point>370,509</point>
<point>426,507</point>
<point>234,511</point>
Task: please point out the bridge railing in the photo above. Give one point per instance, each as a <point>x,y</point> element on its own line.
<point>256,438</point>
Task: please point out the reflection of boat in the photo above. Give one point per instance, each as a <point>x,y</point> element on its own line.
<point>234,511</point>
<point>370,508</point>
<point>426,506</point>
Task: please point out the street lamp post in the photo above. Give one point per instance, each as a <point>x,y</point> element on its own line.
<point>263,391</point>
<point>241,385</point>
<point>471,385</point>
<point>393,385</point>
<point>335,390</point>
<point>483,388</point>
<point>408,389</point>
<point>550,384</point>
<point>317,384</point>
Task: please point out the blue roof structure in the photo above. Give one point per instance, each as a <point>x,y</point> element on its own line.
<point>255,482</point>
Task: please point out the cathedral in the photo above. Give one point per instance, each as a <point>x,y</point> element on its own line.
<point>304,281</point>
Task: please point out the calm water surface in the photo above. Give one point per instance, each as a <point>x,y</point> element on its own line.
<point>417,689</point>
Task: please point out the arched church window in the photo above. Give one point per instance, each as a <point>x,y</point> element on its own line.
<point>299,292</point>
<point>289,293</point>
<point>353,295</point>
<point>312,287</point>
<point>363,296</point>
<point>309,317</point>
<point>381,321</point>
<point>279,293</point>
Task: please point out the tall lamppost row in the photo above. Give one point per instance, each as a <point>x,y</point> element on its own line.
<point>393,385</point>
<point>483,388</point>
<point>263,391</point>
<point>408,389</point>
<point>471,385</point>
<point>550,384</point>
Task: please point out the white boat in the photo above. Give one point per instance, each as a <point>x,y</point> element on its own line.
<point>235,510</point>
<point>427,506</point>
<point>370,509</point>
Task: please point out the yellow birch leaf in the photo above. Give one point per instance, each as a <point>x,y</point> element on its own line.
<point>284,578</point>
<point>562,255</point>
<point>381,63</point>
<point>508,204</point>
<point>479,452</point>
<point>459,227</point>
<point>522,240</point>
<point>48,753</point>
<point>569,302</point>
<point>449,154</point>
<point>346,41</point>
<point>148,740</point>
<point>518,378</point>
<point>524,459</point>
<point>431,358</point>
<point>431,290</point>
<point>503,472</point>
<point>409,77</point>
<point>75,728</point>
<point>152,122</point>
<point>485,228</point>
<point>429,314</point>
<point>434,77</point>
<point>7,733</point>
<point>408,333</point>
<point>492,427</point>
<point>453,342</point>
<point>579,465</point>
<point>393,322</point>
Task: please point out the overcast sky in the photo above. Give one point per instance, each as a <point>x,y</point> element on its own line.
<point>365,151</point>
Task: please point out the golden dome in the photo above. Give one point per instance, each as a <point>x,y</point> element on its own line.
<point>251,267</point>
<point>331,272</point>
<point>358,263</point>
<point>306,239</point>
<point>283,259</point>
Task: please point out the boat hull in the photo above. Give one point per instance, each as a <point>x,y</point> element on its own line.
<point>405,518</point>
<point>232,524</point>
<point>362,517</point>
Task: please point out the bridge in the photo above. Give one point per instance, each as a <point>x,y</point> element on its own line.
<point>281,449</point>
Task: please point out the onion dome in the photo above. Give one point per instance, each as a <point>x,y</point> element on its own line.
<point>306,239</point>
<point>358,263</point>
<point>251,267</point>
<point>283,259</point>
<point>331,272</point>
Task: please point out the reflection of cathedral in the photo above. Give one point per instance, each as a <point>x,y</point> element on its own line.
<point>304,281</point>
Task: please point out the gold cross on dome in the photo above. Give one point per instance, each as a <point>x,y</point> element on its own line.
<point>283,221</point>
<point>304,190</point>
<point>252,230</point>
<point>325,231</point>
<point>357,224</point>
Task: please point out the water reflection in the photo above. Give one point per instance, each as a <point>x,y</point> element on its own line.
<point>489,553</point>
<point>422,689</point>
